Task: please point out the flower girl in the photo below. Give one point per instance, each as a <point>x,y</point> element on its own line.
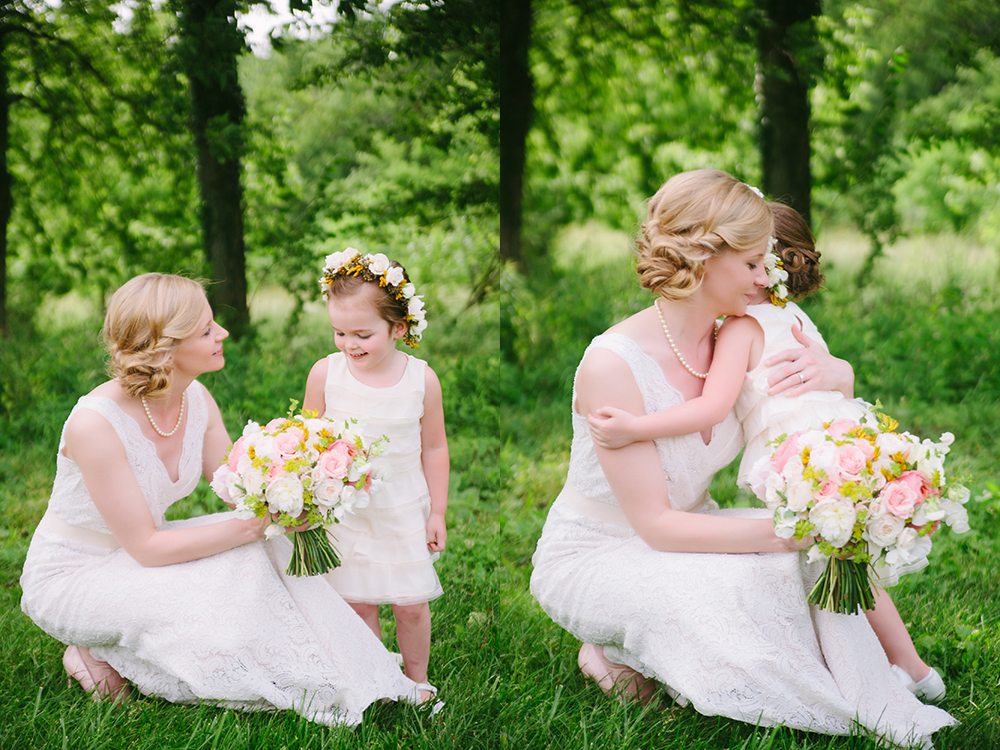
<point>388,548</point>
<point>738,378</point>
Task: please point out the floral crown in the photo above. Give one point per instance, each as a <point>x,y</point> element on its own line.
<point>776,275</point>
<point>378,268</point>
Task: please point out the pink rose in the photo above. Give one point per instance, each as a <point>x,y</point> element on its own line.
<point>850,460</point>
<point>899,498</point>
<point>274,424</point>
<point>840,427</point>
<point>827,491</point>
<point>336,461</point>
<point>788,448</point>
<point>865,447</point>
<point>917,482</point>
<point>288,443</point>
<point>236,453</point>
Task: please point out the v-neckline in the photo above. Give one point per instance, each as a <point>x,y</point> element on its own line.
<point>663,377</point>
<point>184,442</point>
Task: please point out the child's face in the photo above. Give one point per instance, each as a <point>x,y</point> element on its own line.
<point>360,332</point>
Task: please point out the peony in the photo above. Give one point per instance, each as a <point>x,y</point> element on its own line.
<point>236,453</point>
<point>288,443</point>
<point>834,521</point>
<point>284,495</point>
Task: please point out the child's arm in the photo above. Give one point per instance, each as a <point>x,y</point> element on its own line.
<point>434,457</point>
<point>613,428</point>
<point>315,398</point>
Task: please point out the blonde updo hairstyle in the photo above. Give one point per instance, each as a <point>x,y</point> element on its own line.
<point>695,216</point>
<point>148,318</point>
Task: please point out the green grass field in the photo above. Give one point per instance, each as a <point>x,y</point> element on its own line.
<point>923,342</point>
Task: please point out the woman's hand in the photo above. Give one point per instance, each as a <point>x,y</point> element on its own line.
<point>437,533</point>
<point>610,427</point>
<point>810,368</point>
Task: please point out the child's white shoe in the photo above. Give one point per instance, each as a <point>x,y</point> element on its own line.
<point>929,688</point>
<point>415,697</point>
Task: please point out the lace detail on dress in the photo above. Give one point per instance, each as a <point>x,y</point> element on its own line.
<point>730,633</point>
<point>230,628</point>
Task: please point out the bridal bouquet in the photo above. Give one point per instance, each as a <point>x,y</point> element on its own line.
<point>871,496</point>
<point>300,469</point>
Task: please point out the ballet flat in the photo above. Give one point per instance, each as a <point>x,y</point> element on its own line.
<point>930,688</point>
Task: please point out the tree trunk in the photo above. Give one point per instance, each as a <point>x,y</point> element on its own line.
<point>6,197</point>
<point>516,92</point>
<point>789,57</point>
<point>212,45</point>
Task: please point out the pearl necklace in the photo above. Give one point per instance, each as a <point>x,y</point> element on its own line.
<point>149,416</point>
<point>670,340</point>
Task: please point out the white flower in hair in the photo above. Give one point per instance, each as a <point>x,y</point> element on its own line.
<point>395,276</point>
<point>378,264</point>
<point>408,291</point>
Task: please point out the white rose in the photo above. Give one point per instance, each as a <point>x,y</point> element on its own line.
<point>415,305</point>
<point>409,290</point>
<point>253,478</point>
<point>284,494</point>
<point>326,493</point>
<point>798,496</point>
<point>883,530</point>
<point>378,263</point>
<point>395,276</point>
<point>273,530</point>
<point>824,458</point>
<point>834,521</point>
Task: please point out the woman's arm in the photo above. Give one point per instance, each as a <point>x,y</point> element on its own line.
<point>94,445</point>
<point>613,428</point>
<point>821,371</point>
<point>434,458</point>
<point>315,398</point>
<point>636,477</point>
<point>217,441</point>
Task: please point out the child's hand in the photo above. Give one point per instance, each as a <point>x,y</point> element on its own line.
<point>610,427</point>
<point>437,534</point>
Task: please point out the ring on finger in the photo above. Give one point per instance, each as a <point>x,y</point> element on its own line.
<point>802,380</point>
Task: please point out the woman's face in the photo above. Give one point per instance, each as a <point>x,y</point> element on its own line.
<point>733,279</point>
<point>202,351</point>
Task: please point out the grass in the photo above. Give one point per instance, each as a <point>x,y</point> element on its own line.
<point>507,673</point>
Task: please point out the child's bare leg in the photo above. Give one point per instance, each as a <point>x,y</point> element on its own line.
<point>368,613</point>
<point>413,633</point>
<point>894,637</point>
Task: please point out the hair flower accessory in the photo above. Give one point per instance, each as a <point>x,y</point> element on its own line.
<point>776,275</point>
<point>379,269</point>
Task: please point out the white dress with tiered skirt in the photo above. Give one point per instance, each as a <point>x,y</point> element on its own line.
<point>731,634</point>
<point>383,547</point>
<point>230,629</point>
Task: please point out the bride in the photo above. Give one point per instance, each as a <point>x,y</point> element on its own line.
<point>633,556</point>
<point>196,610</point>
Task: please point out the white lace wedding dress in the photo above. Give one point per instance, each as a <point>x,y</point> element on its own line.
<point>730,633</point>
<point>230,629</point>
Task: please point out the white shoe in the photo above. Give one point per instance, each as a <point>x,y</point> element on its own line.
<point>930,688</point>
<point>430,702</point>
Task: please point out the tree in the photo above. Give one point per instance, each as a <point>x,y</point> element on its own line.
<point>516,91</point>
<point>209,47</point>
<point>790,57</point>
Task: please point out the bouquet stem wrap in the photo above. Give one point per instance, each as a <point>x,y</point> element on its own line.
<point>845,587</point>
